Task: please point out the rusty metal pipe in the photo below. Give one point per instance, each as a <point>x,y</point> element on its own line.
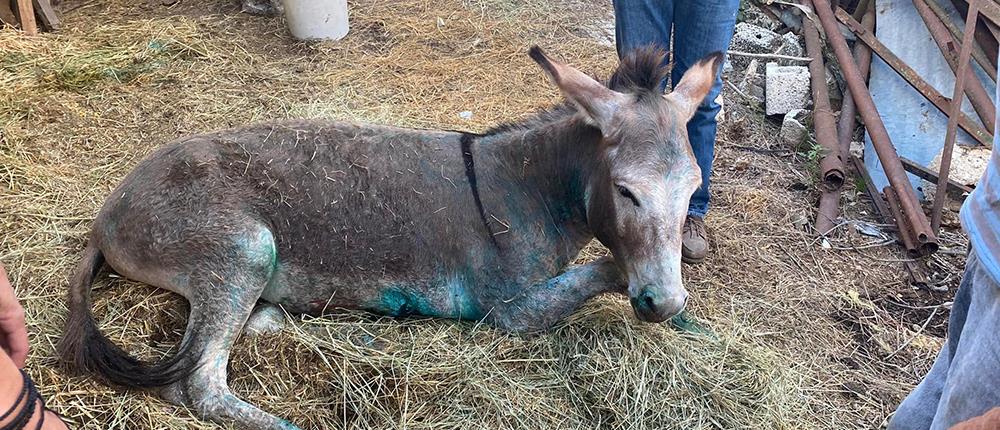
<point>831,166</point>
<point>873,123</point>
<point>903,230</point>
<point>977,51</point>
<point>907,73</point>
<point>956,106</point>
<point>863,57</point>
<point>981,101</point>
<point>826,214</point>
<point>829,201</point>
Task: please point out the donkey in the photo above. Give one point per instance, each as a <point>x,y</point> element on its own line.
<point>314,216</point>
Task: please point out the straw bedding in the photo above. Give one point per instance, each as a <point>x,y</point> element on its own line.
<point>802,335</point>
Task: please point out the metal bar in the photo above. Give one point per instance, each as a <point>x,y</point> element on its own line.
<point>873,123</point>
<point>981,101</point>
<point>873,193</point>
<point>977,50</point>
<point>956,106</point>
<point>956,189</point>
<point>988,10</point>
<point>903,231</point>
<point>939,101</point>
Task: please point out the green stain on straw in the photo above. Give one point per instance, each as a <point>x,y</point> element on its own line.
<point>687,324</point>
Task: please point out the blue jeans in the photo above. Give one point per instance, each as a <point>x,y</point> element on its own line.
<point>962,384</point>
<point>701,27</point>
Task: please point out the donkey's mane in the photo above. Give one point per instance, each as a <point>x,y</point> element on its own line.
<point>545,116</point>
<point>640,72</point>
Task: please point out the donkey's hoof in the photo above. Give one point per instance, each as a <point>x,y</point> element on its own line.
<point>265,319</point>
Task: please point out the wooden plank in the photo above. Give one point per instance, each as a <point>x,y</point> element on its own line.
<point>48,15</point>
<point>26,12</point>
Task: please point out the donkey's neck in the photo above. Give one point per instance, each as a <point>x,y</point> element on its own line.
<point>549,161</point>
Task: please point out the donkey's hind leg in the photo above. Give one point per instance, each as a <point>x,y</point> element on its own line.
<point>223,294</point>
<point>541,306</point>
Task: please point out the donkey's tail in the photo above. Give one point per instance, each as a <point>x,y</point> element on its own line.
<point>86,349</point>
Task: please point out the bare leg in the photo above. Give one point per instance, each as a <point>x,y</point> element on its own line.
<point>544,304</point>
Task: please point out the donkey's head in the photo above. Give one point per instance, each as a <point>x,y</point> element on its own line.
<point>645,172</point>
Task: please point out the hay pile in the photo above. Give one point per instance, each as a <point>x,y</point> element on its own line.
<point>79,108</point>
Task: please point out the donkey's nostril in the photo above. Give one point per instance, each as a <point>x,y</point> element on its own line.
<point>647,300</point>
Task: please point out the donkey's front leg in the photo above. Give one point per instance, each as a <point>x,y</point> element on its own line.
<point>540,306</point>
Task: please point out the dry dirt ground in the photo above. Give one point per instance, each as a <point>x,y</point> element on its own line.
<point>802,335</point>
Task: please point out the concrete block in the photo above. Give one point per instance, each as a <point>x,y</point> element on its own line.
<point>793,130</point>
<point>753,39</point>
<point>786,88</point>
<point>791,45</point>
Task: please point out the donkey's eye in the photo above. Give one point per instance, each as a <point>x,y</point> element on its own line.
<point>628,195</point>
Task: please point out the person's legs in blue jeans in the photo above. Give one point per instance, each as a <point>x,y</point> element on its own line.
<point>640,23</point>
<point>700,27</point>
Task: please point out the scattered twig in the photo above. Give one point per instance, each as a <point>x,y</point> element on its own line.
<point>745,96</point>
<point>912,338</point>
<point>769,56</point>
<point>903,305</point>
<point>779,151</point>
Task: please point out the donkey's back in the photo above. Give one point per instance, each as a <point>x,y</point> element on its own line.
<point>327,205</point>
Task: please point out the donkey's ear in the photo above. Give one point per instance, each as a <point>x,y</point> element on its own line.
<point>689,93</point>
<point>591,98</point>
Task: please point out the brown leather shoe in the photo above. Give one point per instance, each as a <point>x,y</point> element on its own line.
<point>694,240</point>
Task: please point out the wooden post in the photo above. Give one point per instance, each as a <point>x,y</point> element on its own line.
<point>26,11</point>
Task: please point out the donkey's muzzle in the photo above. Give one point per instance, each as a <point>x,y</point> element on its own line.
<point>655,304</point>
